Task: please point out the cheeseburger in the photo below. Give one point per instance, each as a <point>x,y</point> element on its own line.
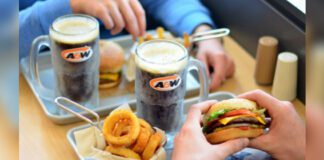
<point>233,118</point>
<point>111,63</point>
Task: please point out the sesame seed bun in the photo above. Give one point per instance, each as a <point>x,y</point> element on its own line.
<point>108,85</point>
<point>112,57</point>
<point>235,103</point>
<point>233,133</point>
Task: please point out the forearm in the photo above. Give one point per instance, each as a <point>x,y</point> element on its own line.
<point>36,20</point>
<point>202,28</point>
<point>179,16</point>
<point>205,27</point>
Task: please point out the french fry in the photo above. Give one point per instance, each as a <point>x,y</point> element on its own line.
<point>160,32</point>
<point>140,40</point>
<point>186,40</point>
<point>148,37</point>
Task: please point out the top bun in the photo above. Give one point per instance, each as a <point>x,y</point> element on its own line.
<point>236,103</point>
<point>112,57</point>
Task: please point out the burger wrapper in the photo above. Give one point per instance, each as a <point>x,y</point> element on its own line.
<point>91,143</point>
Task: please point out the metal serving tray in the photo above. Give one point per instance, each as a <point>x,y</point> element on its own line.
<point>109,98</point>
<point>187,103</point>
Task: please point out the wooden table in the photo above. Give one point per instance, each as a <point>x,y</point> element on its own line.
<point>9,138</point>
<point>42,139</point>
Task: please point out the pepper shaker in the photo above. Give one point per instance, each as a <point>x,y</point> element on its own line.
<point>266,60</point>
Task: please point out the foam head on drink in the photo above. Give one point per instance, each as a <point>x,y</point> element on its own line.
<point>161,57</point>
<point>160,83</point>
<point>74,30</point>
<point>75,51</point>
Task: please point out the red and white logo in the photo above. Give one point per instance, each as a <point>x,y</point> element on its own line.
<point>165,83</point>
<point>77,54</point>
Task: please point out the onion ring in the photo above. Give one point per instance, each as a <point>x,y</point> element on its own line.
<point>142,140</point>
<point>121,128</point>
<point>153,144</point>
<point>146,125</point>
<point>124,152</point>
<point>112,120</point>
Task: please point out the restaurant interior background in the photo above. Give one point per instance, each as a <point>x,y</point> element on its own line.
<point>248,20</point>
<point>284,20</point>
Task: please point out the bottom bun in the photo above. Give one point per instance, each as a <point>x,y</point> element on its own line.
<point>233,133</point>
<point>108,85</point>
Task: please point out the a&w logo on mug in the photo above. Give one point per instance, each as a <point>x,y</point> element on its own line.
<point>165,83</point>
<point>77,54</point>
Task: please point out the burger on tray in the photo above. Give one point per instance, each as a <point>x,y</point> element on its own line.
<point>112,59</point>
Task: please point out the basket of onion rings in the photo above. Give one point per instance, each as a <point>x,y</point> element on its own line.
<point>131,137</point>
<point>123,136</point>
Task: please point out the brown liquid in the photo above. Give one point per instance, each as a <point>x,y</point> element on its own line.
<point>163,109</point>
<point>76,80</point>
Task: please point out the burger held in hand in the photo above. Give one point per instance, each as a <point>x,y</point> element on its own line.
<point>233,118</point>
<point>111,63</point>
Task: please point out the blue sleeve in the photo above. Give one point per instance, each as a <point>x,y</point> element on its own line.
<point>36,20</point>
<point>178,15</point>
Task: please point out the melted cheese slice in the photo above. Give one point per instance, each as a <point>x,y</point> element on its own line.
<point>226,120</point>
<point>110,76</point>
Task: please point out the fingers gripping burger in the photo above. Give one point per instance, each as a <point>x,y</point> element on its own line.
<point>111,63</point>
<point>233,118</point>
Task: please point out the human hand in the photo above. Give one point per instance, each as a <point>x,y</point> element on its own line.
<point>286,138</point>
<point>191,144</point>
<point>212,54</point>
<point>115,14</point>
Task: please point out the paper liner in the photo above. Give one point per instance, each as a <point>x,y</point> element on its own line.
<point>129,68</point>
<point>91,143</point>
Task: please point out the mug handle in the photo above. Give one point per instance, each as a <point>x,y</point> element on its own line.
<point>42,91</point>
<point>203,78</point>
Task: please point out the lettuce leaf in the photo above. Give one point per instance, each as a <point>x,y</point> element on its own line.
<point>260,112</point>
<point>215,115</point>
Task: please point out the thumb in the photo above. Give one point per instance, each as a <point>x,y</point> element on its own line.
<point>232,146</point>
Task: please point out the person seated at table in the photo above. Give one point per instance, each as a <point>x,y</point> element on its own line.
<point>35,18</point>
<point>285,140</point>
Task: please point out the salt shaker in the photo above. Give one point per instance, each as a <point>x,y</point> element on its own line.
<point>266,60</point>
<point>285,79</point>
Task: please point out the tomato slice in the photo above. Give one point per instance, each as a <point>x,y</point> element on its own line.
<point>238,112</point>
<point>233,113</point>
<point>244,127</point>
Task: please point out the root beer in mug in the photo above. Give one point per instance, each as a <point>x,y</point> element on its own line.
<point>160,84</point>
<point>73,40</point>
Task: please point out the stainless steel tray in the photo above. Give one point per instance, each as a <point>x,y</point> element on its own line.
<point>187,103</point>
<point>109,99</point>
